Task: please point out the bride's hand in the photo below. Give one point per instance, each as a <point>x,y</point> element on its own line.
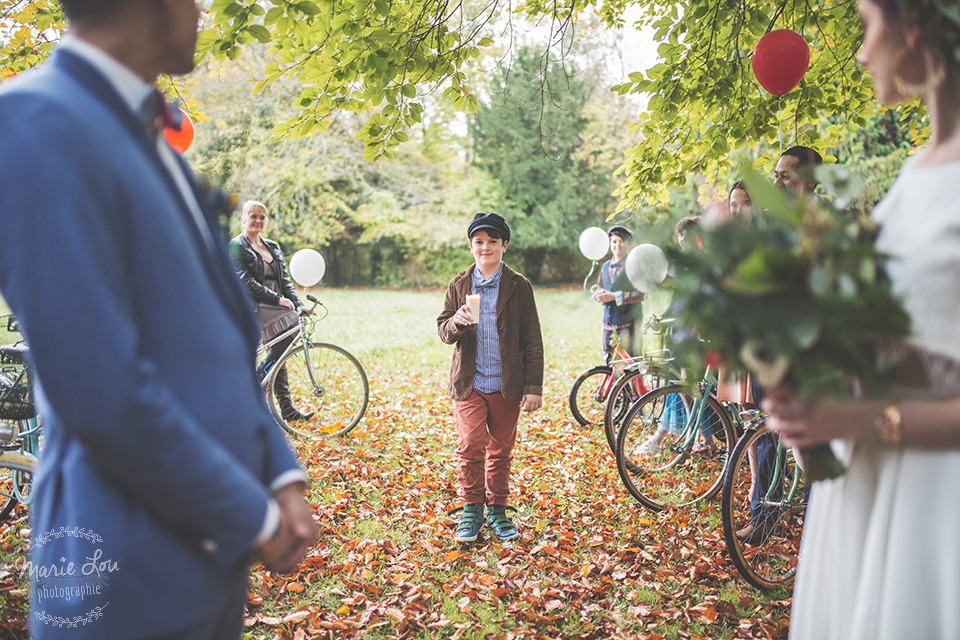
<point>804,423</point>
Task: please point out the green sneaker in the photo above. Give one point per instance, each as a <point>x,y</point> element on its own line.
<point>471,519</point>
<point>501,524</point>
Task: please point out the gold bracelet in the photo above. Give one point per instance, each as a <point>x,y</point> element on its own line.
<point>887,426</point>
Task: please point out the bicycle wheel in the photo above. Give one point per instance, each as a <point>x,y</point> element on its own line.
<point>589,394</point>
<point>327,381</point>
<point>621,396</point>
<point>16,480</point>
<point>688,464</point>
<point>767,558</point>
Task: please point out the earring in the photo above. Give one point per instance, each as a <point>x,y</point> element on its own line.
<point>934,77</point>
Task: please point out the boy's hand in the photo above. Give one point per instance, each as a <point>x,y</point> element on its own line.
<point>462,317</point>
<point>602,295</point>
<point>531,402</point>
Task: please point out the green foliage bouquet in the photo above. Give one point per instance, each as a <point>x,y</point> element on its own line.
<point>796,296</point>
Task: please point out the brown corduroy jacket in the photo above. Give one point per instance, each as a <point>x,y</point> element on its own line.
<point>518,326</point>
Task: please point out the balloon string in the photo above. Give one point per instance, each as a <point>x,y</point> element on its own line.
<point>779,124</point>
<point>587,279</point>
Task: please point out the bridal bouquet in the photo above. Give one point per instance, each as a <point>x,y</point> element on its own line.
<point>797,295</point>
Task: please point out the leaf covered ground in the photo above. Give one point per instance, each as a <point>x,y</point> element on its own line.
<point>590,562</point>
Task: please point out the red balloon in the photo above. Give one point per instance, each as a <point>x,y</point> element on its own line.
<point>180,140</point>
<point>780,60</point>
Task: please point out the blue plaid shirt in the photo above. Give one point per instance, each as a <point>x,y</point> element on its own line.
<point>488,373</point>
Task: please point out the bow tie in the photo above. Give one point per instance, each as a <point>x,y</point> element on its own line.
<point>489,283</point>
<point>156,114</point>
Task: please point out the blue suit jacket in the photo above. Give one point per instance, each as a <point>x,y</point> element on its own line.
<point>159,448</point>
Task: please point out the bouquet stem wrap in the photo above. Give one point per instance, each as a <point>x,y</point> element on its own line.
<point>819,463</point>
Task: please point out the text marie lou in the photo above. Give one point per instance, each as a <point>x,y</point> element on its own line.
<point>94,565</point>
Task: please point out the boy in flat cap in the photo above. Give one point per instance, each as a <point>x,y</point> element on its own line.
<point>620,300</point>
<point>497,371</point>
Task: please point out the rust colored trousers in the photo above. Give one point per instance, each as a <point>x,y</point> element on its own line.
<point>487,432</point>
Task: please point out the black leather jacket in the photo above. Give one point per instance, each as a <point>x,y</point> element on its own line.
<point>249,266</point>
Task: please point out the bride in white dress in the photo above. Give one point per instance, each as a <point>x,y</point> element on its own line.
<point>881,548</point>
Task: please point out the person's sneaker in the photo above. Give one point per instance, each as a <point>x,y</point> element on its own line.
<point>649,447</point>
<point>468,526</point>
<point>500,523</point>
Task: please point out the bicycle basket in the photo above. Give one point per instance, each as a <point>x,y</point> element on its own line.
<point>16,399</point>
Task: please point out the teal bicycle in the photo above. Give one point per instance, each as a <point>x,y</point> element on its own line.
<point>763,506</point>
<point>19,422</point>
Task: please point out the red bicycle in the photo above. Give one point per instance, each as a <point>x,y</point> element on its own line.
<point>604,393</point>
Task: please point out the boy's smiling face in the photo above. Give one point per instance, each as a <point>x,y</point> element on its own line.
<point>487,252</point>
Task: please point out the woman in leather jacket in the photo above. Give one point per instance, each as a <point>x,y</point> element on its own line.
<point>259,264</point>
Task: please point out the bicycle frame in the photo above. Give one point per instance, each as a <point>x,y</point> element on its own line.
<point>29,452</point>
<point>626,362</point>
<point>778,470</point>
<point>688,437</point>
<point>303,331</point>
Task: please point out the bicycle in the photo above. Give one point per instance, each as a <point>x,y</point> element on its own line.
<point>672,446</point>
<point>767,557</point>
<point>324,379</point>
<point>19,422</point>
<point>604,392</point>
<point>629,386</point>
<point>591,390</point>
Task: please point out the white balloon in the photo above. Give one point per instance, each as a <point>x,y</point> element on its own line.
<point>307,267</point>
<point>594,243</point>
<point>646,267</point>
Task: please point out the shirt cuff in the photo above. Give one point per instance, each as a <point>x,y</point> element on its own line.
<point>289,477</point>
<point>271,522</point>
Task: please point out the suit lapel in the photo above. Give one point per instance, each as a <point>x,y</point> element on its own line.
<point>507,285</point>
<point>215,261</point>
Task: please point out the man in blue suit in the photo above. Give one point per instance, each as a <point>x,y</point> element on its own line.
<point>163,473</point>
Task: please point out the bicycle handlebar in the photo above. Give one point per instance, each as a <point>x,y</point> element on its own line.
<point>309,312</point>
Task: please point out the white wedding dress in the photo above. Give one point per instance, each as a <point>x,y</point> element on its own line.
<point>880,558</point>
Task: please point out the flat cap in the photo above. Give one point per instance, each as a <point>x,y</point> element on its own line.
<point>619,230</point>
<point>489,221</point>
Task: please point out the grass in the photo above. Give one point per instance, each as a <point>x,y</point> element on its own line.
<point>590,562</point>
